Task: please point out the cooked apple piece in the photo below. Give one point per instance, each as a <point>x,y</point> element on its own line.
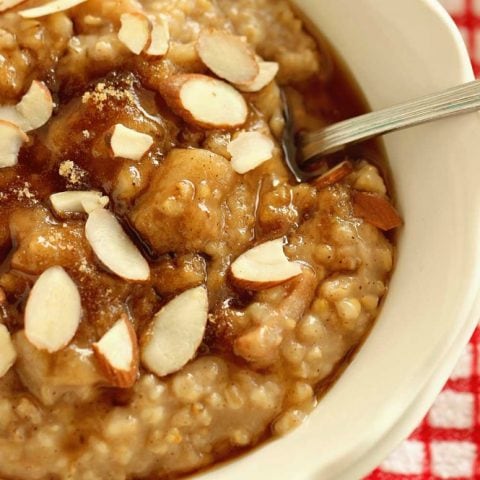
<point>50,8</point>
<point>70,372</point>
<point>267,72</point>
<point>259,344</point>
<point>159,38</point>
<point>249,150</point>
<point>53,310</point>
<point>376,210</point>
<point>181,211</point>
<point>11,140</point>
<point>6,4</point>
<point>34,109</point>
<point>134,32</point>
<point>128,143</point>
<point>264,266</point>
<point>334,175</point>
<point>77,201</point>
<point>227,56</point>
<point>117,354</point>
<point>176,332</point>
<point>8,355</point>
<point>205,101</point>
<point>114,248</point>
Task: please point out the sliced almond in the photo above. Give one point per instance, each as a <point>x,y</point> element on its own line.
<point>159,38</point>
<point>91,204</point>
<point>227,56</point>
<point>267,72</point>
<point>34,109</point>
<point>114,248</point>
<point>6,4</point>
<point>176,332</point>
<point>76,201</point>
<point>53,310</point>
<point>204,101</point>
<point>11,140</point>
<point>264,266</point>
<point>134,32</point>
<point>249,150</point>
<point>376,210</point>
<point>128,143</point>
<point>50,8</point>
<point>334,175</point>
<point>117,354</point>
<point>8,355</point>
<point>36,106</point>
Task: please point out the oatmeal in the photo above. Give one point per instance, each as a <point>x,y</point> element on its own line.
<point>169,296</point>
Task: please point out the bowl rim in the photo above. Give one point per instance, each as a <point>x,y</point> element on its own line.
<point>374,446</point>
<point>419,407</point>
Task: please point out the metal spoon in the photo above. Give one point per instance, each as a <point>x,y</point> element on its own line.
<point>303,147</point>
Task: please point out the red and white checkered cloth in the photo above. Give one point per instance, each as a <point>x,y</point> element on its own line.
<point>446,445</point>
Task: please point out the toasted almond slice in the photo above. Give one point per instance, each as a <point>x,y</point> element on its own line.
<point>249,150</point>
<point>91,204</point>
<point>6,4</point>
<point>49,8</point>
<point>128,143</point>
<point>117,354</point>
<point>334,175</point>
<point>8,355</point>
<point>73,201</point>
<point>264,266</point>
<point>159,38</point>
<point>267,72</point>
<point>34,109</point>
<point>113,247</point>
<point>53,310</point>
<point>3,296</point>
<point>134,32</point>
<point>11,140</point>
<point>227,56</point>
<point>176,332</point>
<point>376,210</point>
<point>36,106</point>
<point>204,101</point>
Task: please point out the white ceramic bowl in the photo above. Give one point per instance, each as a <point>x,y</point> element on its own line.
<point>397,49</point>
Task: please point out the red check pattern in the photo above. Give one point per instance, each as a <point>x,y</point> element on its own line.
<point>446,445</point>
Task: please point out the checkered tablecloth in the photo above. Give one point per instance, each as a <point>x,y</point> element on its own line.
<point>446,445</point>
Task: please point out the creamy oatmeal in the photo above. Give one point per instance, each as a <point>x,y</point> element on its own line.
<point>169,296</point>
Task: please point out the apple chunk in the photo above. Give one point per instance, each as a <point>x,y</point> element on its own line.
<point>227,56</point>
<point>176,332</point>
<point>264,266</point>
<point>11,140</point>
<point>53,310</point>
<point>117,354</point>
<point>8,355</point>
<point>249,150</point>
<point>205,101</point>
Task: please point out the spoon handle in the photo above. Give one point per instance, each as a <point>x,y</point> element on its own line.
<point>461,99</point>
